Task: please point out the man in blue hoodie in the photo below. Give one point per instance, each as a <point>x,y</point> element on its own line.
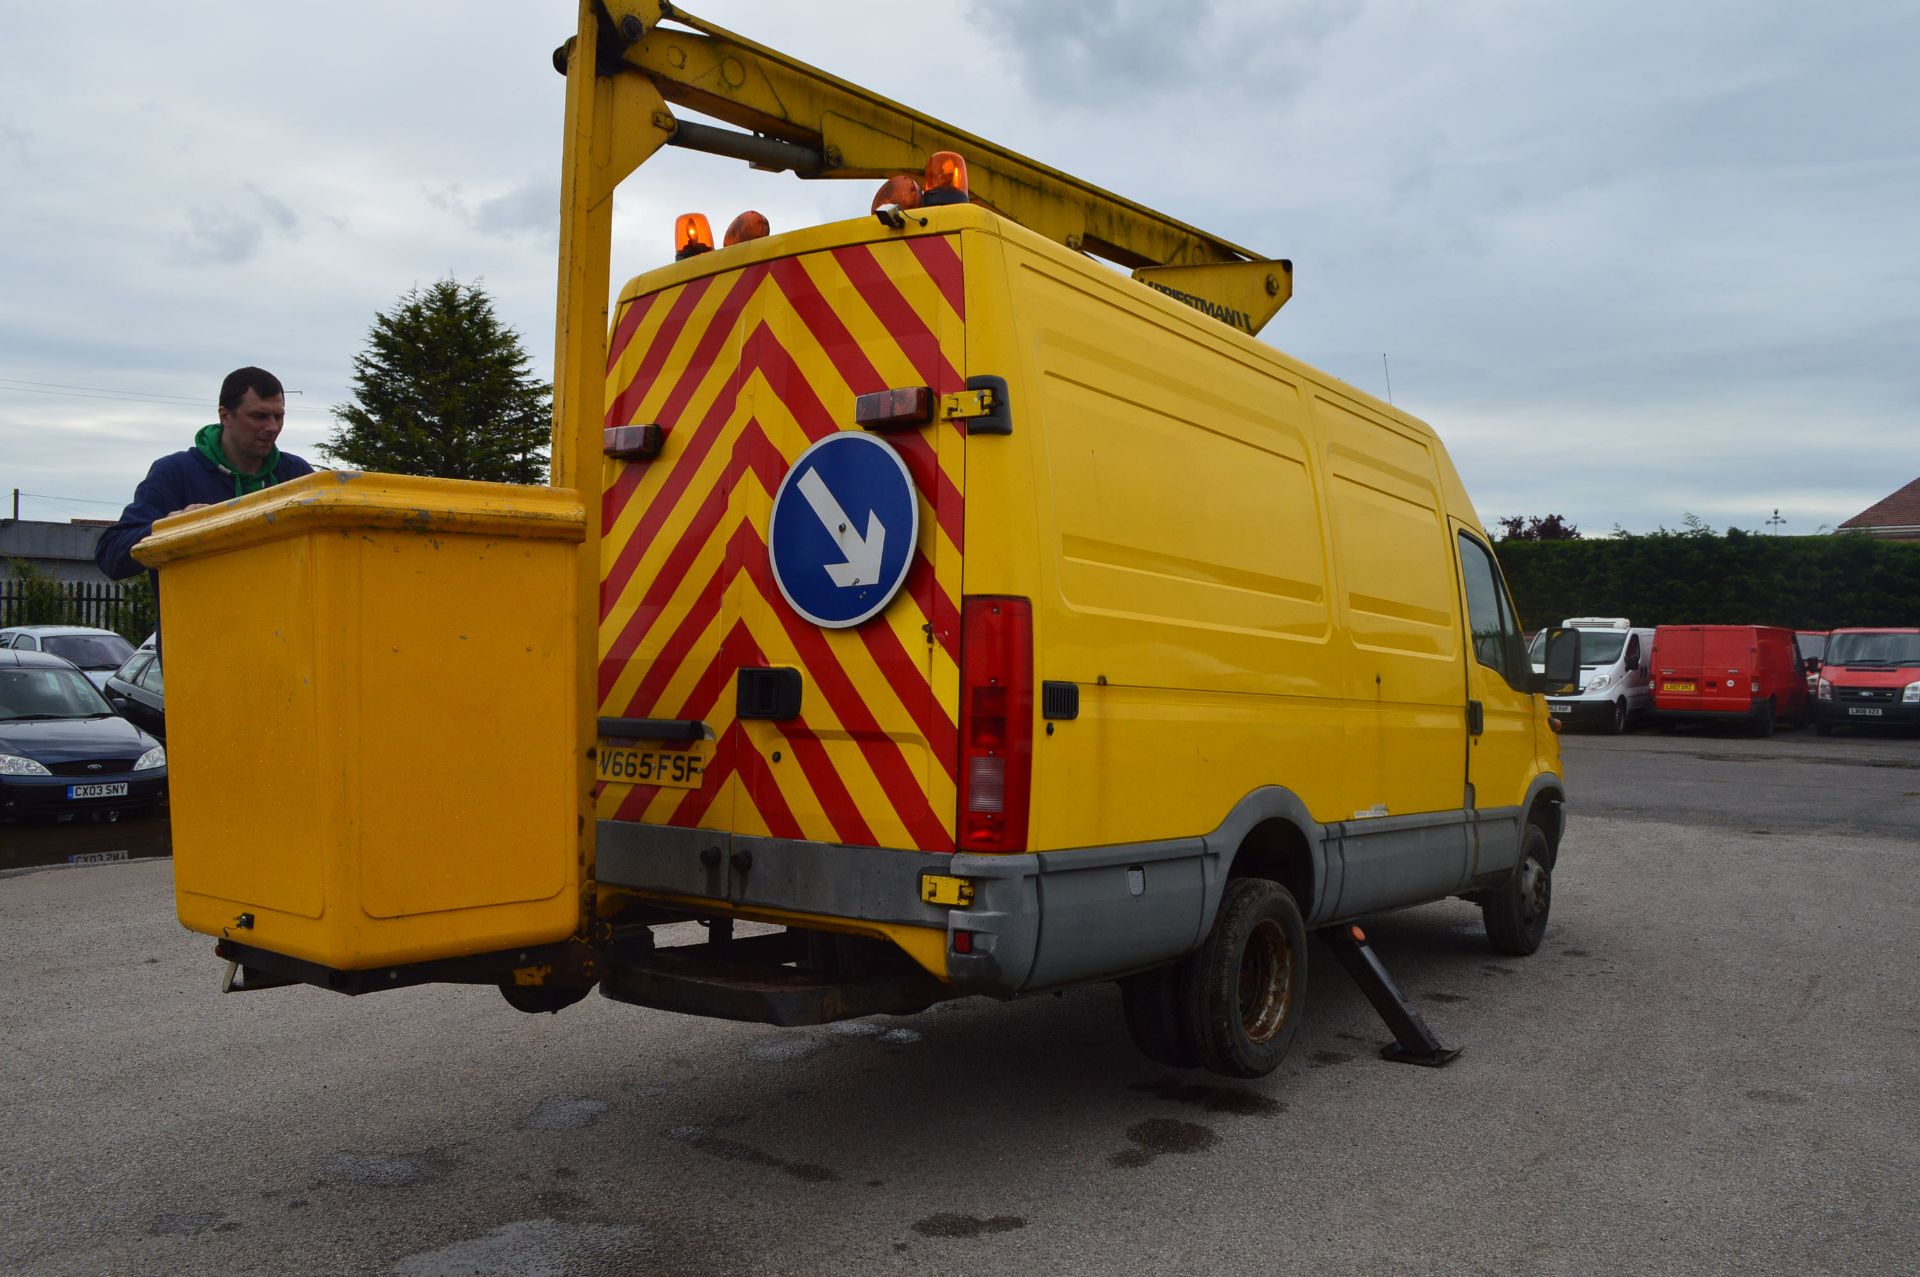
<point>229,458</point>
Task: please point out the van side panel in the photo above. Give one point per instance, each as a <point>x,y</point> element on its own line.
<point>1182,583</point>
<point>1190,499</point>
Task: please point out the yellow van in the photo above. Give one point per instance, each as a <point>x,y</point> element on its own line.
<point>963,614</point>
<point>1171,648</point>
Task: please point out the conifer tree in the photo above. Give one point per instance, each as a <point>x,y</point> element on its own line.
<point>443,389</point>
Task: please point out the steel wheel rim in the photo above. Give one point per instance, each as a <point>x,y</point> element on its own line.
<point>1266,981</point>
<point>1534,888</point>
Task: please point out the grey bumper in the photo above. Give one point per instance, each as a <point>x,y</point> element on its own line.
<point>1037,921</point>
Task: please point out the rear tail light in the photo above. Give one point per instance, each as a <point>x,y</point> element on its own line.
<point>996,723</point>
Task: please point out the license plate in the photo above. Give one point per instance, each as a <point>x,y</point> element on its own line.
<point>673,768</point>
<point>116,790</point>
<point>1677,687</point>
<point>1863,712</point>
<point>1561,709</point>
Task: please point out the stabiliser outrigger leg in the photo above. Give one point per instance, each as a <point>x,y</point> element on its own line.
<point>1413,1042</point>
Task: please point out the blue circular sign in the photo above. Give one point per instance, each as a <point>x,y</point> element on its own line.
<point>844,524</point>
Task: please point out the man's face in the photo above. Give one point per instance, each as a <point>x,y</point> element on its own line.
<point>248,431</point>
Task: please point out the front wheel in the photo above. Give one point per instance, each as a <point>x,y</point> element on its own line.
<point>1618,723</point>
<point>1245,988</point>
<point>1516,911</point>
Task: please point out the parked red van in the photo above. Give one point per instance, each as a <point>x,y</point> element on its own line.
<point>1869,677</point>
<point>1749,674</point>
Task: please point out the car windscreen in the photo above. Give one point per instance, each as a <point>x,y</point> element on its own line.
<point>48,693</point>
<point>1873,649</point>
<point>1601,647</point>
<point>89,651</point>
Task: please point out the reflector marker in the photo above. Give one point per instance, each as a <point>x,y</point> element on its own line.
<point>902,408</point>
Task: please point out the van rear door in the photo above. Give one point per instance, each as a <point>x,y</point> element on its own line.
<point>1679,659</point>
<point>745,370</point>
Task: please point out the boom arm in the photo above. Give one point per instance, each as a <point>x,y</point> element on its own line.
<point>817,125</point>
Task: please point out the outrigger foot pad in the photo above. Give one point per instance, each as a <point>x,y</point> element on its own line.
<point>1413,1042</point>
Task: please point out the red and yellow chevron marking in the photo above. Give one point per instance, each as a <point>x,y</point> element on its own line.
<point>744,370</point>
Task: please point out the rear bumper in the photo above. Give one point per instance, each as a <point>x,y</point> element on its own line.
<point>1036,921</point>
<point>1721,712</point>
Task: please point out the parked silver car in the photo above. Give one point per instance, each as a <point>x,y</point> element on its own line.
<point>98,652</point>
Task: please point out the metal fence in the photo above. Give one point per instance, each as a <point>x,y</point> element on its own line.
<point>106,604</point>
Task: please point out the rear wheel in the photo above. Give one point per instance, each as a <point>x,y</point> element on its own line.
<point>1243,992</point>
<point>1516,911</point>
<point>1763,721</point>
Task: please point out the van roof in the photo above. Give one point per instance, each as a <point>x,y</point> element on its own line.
<point>864,229</point>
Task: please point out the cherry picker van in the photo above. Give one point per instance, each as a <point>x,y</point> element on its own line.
<point>957,599</point>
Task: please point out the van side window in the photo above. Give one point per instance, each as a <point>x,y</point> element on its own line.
<point>1633,651</point>
<point>1496,635</point>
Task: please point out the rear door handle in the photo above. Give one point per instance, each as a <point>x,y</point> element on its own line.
<point>1476,718</point>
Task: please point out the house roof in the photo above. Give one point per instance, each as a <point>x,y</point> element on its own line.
<point>1900,510</point>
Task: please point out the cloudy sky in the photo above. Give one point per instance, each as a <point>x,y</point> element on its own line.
<point>1633,260</point>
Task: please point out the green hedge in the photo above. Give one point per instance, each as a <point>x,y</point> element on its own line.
<point>1741,578</point>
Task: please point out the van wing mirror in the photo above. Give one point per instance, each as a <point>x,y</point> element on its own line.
<point>1562,662</point>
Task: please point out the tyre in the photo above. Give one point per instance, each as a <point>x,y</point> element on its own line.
<point>1516,911</point>
<point>1618,723</point>
<point>1668,727</point>
<point>1151,1003</point>
<point>1243,992</point>
<point>1822,729</point>
<point>1763,721</point>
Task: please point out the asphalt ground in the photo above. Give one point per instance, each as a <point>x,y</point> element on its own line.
<point>1710,1067</point>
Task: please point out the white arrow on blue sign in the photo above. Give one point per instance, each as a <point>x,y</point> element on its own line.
<point>844,525</point>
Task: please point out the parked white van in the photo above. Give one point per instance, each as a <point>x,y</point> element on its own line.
<point>1614,689</point>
